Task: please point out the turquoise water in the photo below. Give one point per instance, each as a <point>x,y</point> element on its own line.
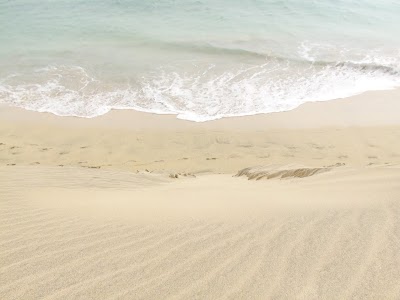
<point>201,60</point>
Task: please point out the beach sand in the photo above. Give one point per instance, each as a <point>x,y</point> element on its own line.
<point>294,205</point>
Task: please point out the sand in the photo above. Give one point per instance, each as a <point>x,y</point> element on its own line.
<point>294,205</point>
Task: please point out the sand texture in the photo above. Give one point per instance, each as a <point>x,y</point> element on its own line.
<point>159,208</point>
<point>79,235</point>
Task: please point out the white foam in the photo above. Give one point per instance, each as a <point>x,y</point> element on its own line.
<point>199,94</point>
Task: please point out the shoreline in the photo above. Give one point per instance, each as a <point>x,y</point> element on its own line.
<point>315,135</point>
<point>372,108</point>
<point>148,206</point>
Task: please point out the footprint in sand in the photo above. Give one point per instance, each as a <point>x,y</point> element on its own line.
<point>91,167</point>
<point>222,141</point>
<point>245,145</point>
<point>211,158</point>
<point>176,175</point>
<point>316,146</point>
<point>291,147</point>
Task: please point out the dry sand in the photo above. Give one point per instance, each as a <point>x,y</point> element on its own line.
<point>92,208</point>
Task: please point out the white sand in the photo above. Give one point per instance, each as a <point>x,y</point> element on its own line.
<point>102,227</point>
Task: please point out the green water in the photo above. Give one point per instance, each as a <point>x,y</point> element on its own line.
<point>201,59</point>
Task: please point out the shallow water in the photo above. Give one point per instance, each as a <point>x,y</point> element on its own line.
<point>201,60</point>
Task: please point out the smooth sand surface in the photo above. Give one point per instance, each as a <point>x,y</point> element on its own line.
<point>296,205</point>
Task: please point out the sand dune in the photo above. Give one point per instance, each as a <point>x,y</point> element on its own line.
<point>137,206</point>
<point>292,238</point>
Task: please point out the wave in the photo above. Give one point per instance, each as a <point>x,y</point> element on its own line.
<point>243,48</point>
<point>363,67</point>
<point>203,93</point>
<point>200,47</point>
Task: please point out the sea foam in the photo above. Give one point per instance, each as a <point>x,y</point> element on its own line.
<point>200,92</point>
<point>200,60</point>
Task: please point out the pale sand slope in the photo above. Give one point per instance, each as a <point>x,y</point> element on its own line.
<point>96,234</point>
<point>96,229</point>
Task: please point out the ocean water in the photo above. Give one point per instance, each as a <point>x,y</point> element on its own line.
<point>198,59</point>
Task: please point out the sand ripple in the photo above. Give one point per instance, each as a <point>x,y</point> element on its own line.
<point>348,252</point>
